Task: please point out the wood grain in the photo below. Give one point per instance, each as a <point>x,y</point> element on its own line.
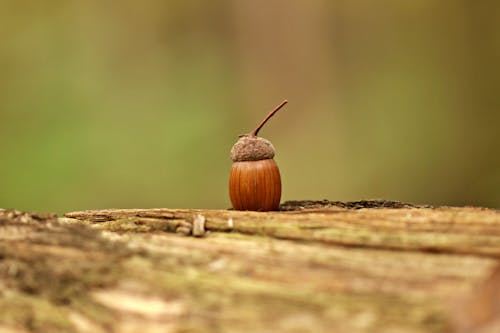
<point>316,267</point>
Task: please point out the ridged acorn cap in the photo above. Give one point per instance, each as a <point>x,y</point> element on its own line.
<point>252,148</point>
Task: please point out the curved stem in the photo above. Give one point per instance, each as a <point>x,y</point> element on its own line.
<point>256,131</point>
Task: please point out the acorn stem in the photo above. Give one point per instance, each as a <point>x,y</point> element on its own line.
<point>256,131</point>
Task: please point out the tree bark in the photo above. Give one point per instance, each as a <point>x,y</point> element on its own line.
<point>368,266</point>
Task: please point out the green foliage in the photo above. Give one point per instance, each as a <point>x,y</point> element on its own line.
<point>139,106</point>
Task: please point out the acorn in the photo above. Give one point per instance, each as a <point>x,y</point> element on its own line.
<point>255,182</point>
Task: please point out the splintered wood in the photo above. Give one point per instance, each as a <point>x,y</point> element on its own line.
<point>315,266</point>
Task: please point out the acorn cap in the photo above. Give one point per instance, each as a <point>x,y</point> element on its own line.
<point>252,148</point>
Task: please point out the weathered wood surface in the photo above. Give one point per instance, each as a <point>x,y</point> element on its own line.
<point>370,266</point>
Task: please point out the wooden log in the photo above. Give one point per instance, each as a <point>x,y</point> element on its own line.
<point>368,266</point>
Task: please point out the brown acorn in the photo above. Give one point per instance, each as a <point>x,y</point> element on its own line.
<point>255,182</point>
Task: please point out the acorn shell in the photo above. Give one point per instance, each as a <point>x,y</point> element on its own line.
<point>255,185</point>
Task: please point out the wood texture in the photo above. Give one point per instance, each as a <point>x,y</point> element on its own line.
<point>313,267</point>
<point>255,185</point>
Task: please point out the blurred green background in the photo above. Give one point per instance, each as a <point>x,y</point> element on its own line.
<point>137,104</point>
